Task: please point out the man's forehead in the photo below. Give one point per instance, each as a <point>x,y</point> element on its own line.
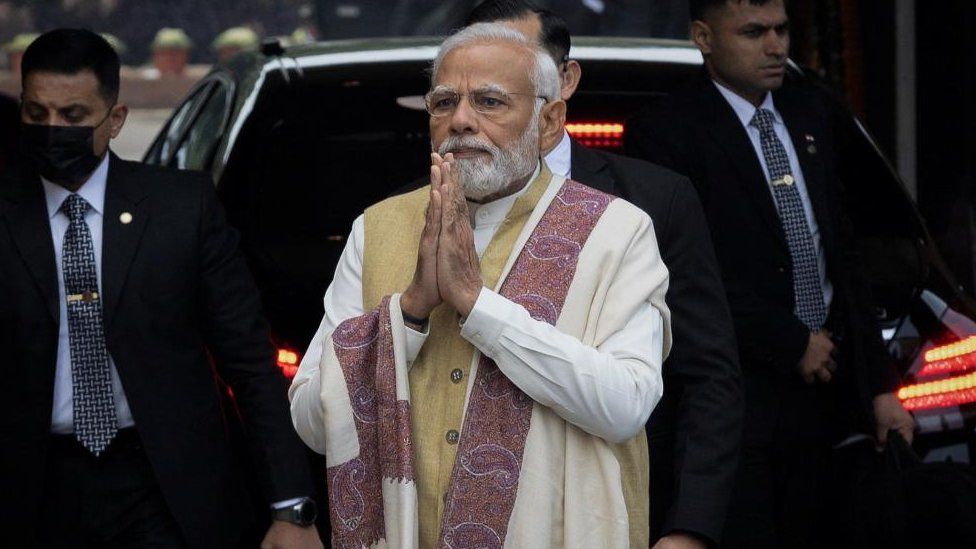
<point>474,66</point>
<point>744,11</point>
<point>62,89</point>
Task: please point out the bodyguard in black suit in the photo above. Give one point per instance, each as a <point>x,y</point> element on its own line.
<point>694,433</point>
<point>814,365</point>
<point>111,427</point>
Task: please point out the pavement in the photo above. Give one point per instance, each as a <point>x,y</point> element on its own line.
<point>139,131</point>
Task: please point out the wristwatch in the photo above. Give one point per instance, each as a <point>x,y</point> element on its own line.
<point>302,513</point>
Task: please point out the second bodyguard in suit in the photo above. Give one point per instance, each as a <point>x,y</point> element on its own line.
<point>760,152</point>
<point>693,434</point>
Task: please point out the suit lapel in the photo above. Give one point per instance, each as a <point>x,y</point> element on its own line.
<point>121,233</point>
<point>30,227</point>
<point>590,168</point>
<point>730,137</point>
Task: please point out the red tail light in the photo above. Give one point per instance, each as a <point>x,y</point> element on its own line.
<point>601,135</point>
<point>950,359</point>
<point>288,361</point>
<point>947,378</point>
<point>951,391</point>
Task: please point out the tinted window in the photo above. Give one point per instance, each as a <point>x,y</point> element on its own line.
<point>198,144</point>
<point>163,149</point>
<point>311,157</point>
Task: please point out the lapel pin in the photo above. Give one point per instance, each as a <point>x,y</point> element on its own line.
<point>125,218</point>
<point>809,138</point>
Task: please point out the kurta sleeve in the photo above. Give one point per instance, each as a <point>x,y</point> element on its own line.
<point>609,389</point>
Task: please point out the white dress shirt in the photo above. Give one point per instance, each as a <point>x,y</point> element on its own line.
<point>745,110</point>
<point>608,391</point>
<point>560,159</point>
<point>93,191</point>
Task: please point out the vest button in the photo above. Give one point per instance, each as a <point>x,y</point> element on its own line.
<point>452,436</point>
<point>457,375</point>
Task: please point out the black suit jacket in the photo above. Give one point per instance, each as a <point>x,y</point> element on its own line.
<point>695,132</point>
<point>694,433</point>
<point>176,295</point>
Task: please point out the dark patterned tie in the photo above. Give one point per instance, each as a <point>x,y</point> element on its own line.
<point>95,423</point>
<point>810,308</point>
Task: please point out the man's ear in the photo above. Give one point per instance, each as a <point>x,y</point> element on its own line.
<point>701,35</point>
<point>569,79</point>
<point>117,118</point>
<point>552,120</point>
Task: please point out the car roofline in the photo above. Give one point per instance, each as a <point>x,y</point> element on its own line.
<point>351,52</point>
<point>661,51</point>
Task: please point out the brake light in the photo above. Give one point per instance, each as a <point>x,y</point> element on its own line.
<point>954,358</point>
<point>947,377</point>
<point>601,135</point>
<point>288,361</point>
<point>952,391</point>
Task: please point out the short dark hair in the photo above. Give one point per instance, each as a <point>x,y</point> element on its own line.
<point>700,8</point>
<point>70,51</point>
<point>555,34</point>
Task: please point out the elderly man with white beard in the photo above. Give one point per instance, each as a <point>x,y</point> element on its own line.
<point>492,343</point>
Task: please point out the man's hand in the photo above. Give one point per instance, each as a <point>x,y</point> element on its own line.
<point>458,266</point>
<point>680,540</point>
<point>818,363</point>
<point>285,535</point>
<point>889,415</point>
<point>423,294</point>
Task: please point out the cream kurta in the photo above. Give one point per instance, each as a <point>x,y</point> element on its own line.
<point>575,488</point>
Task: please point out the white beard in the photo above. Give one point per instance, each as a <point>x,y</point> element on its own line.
<point>481,177</point>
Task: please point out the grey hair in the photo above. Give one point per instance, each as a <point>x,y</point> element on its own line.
<point>544,76</point>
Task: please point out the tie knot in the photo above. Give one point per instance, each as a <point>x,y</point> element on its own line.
<point>75,207</point>
<point>763,119</point>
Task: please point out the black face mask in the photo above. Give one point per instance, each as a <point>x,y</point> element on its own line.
<point>61,154</point>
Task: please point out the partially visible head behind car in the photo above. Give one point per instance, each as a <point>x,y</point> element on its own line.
<point>539,25</point>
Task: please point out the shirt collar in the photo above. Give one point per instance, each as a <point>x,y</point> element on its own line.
<point>496,210</point>
<point>93,190</point>
<point>559,159</point>
<point>745,110</point>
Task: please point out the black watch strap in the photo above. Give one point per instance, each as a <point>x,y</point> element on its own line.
<point>414,320</point>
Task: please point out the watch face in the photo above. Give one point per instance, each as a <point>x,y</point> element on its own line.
<point>307,512</point>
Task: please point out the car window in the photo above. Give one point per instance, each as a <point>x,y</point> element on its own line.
<point>195,150</point>
<point>163,149</point>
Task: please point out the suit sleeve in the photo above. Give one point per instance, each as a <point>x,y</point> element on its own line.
<point>767,335</point>
<point>236,335</point>
<point>702,376</point>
